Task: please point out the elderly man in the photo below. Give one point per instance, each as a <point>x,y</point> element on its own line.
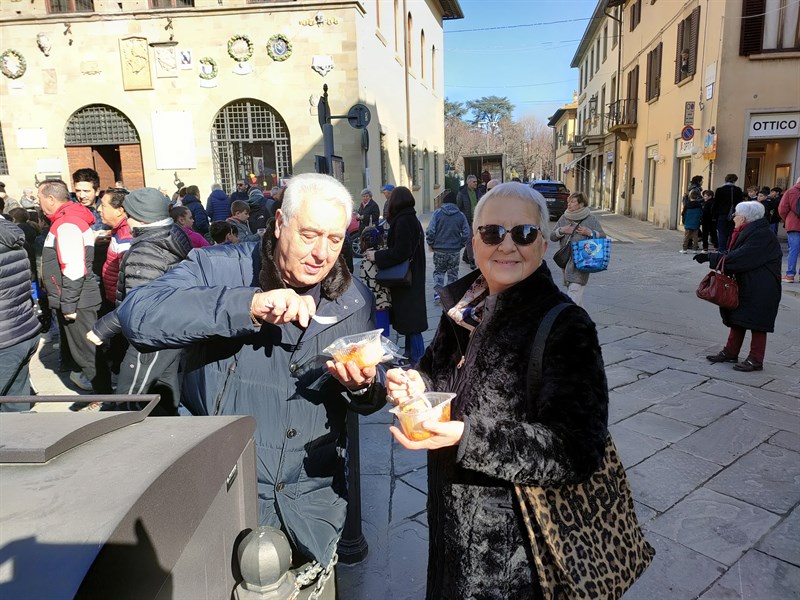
<point>387,191</point>
<point>467,200</point>
<point>72,288</point>
<point>262,314</point>
<point>368,211</point>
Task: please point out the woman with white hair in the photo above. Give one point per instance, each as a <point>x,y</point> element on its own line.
<point>754,258</point>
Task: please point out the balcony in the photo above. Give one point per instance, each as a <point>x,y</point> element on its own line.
<point>576,144</point>
<point>622,118</point>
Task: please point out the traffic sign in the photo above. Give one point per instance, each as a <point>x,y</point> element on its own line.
<point>358,116</point>
<point>687,133</point>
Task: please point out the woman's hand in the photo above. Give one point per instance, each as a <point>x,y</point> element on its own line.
<point>444,434</point>
<point>583,230</point>
<point>402,385</point>
<point>370,255</point>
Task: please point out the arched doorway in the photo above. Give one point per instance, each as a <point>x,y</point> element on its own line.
<point>250,137</point>
<point>102,138</point>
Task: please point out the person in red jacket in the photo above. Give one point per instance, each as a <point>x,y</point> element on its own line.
<point>789,212</point>
<point>113,214</point>
<point>71,286</point>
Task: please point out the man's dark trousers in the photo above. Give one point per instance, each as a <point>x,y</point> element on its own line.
<point>89,358</point>
<point>14,373</point>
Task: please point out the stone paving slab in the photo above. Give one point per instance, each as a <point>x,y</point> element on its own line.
<point>644,513</point>
<point>714,525</point>
<point>614,355</point>
<point>659,427</point>
<point>752,395</point>
<point>676,573</point>
<point>775,418</point>
<point>696,408</point>
<point>726,439</point>
<point>784,541</point>
<point>726,372</point>
<point>757,577</point>
<point>613,333</point>
<point>768,477</point>
<point>622,406</point>
<point>407,502</point>
<point>663,385</point>
<point>651,363</point>
<point>407,460</point>
<point>617,376</point>
<point>408,551</point>
<point>786,439</point>
<point>667,476</point>
<point>633,446</point>
<point>784,387</point>
<point>375,446</point>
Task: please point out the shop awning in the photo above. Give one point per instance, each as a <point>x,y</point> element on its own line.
<point>571,164</point>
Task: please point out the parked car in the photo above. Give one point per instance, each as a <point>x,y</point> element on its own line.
<point>556,194</point>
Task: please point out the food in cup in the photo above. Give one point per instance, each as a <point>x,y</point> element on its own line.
<point>413,414</point>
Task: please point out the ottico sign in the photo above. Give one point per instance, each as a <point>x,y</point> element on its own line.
<point>775,125</point>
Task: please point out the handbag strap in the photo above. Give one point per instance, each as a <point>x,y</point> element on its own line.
<point>534,377</point>
<point>574,229</point>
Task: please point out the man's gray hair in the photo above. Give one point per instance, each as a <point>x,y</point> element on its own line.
<point>215,187</point>
<point>315,187</point>
<point>366,192</point>
<point>750,210</point>
<point>55,188</point>
<point>471,178</point>
<point>523,192</point>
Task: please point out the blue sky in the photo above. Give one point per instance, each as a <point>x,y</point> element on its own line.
<point>529,65</point>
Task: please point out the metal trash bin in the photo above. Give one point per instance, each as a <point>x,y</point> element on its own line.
<point>115,505</point>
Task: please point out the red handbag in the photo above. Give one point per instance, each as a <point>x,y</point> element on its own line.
<point>719,289</point>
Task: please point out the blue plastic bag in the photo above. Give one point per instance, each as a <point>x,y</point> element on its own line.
<point>592,255</point>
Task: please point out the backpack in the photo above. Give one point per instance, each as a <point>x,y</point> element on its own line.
<point>797,207</point>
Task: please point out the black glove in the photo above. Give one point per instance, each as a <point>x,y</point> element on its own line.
<point>701,258</point>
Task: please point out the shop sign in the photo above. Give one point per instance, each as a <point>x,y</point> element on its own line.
<point>688,113</point>
<point>775,125</point>
<point>610,156</point>
<point>684,148</point>
<point>710,146</point>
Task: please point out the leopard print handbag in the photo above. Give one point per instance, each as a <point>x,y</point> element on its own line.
<point>585,538</point>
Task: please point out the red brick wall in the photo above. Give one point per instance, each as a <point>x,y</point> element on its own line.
<point>78,157</point>
<point>130,156</point>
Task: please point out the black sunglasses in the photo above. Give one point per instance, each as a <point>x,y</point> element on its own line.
<point>521,235</point>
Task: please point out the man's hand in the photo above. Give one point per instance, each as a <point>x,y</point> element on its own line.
<point>701,258</point>
<point>92,337</point>
<point>402,385</point>
<point>370,255</point>
<point>444,434</point>
<point>282,306</point>
<point>350,375</point>
<point>71,317</point>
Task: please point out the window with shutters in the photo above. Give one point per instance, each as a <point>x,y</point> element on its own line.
<point>173,3</point>
<point>769,26</point>
<point>653,89</point>
<point>435,169</point>
<point>70,6</point>
<point>605,43</point>
<point>615,29</point>
<point>636,14</point>
<point>384,160</point>
<point>591,66</point>
<point>686,49</point>
<point>597,56</point>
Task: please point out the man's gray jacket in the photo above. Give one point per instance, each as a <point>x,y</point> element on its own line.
<point>276,373</point>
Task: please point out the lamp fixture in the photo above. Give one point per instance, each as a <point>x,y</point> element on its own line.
<point>593,105</point>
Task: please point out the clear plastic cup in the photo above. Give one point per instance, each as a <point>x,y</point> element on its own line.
<point>411,421</point>
<point>364,349</point>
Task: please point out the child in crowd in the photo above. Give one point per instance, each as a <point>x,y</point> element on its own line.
<point>692,215</point>
<point>223,232</point>
<point>240,219</point>
<point>447,235</point>
<point>709,229</point>
<point>183,217</point>
<point>373,238</point>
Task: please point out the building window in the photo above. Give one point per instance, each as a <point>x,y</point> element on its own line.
<point>435,168</point>
<point>653,87</point>
<point>605,43</point>
<point>433,68</point>
<point>591,65</point>
<point>402,154</point>
<point>636,13</point>
<point>597,56</point>
<point>409,57</point>
<point>769,26</point>
<point>603,109</point>
<point>70,6</point>
<point>580,79</point>
<point>3,159</point>
<point>99,124</point>
<point>384,161</point>
<point>412,165</point>
<point>686,51</point>
<point>422,55</point>
<point>396,26</point>
<point>615,30</point>
<point>176,3</point>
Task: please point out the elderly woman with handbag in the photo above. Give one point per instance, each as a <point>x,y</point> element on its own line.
<point>754,258</point>
<point>523,419</point>
<point>576,224</point>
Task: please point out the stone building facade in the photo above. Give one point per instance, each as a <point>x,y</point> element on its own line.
<point>154,91</point>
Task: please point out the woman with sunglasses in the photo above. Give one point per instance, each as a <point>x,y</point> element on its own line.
<point>502,432</point>
<point>575,225</point>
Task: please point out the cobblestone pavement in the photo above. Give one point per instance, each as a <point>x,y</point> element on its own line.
<point>713,455</point>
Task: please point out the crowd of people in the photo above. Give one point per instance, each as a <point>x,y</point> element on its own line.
<point>269,284</point>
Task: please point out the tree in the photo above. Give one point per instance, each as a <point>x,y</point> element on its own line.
<point>489,110</point>
<point>454,110</point>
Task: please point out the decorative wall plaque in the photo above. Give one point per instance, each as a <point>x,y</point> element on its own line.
<point>135,57</point>
<point>12,64</point>
<point>240,49</point>
<point>208,72</point>
<point>322,64</point>
<point>279,47</point>
<point>166,61</point>
<point>184,58</point>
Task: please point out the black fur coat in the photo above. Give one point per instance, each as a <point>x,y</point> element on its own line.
<point>478,542</point>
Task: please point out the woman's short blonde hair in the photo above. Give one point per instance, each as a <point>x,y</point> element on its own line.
<point>515,190</point>
<point>580,197</point>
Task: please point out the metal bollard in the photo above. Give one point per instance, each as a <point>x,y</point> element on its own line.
<point>265,558</point>
<point>353,546</point>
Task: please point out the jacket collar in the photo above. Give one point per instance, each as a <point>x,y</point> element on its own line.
<point>332,287</point>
